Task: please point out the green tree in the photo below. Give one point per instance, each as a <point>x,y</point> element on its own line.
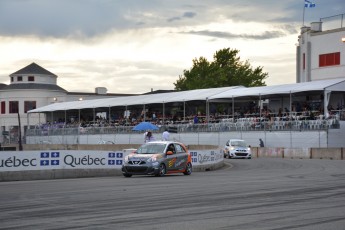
<point>225,70</point>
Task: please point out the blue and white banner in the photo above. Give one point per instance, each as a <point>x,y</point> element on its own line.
<point>308,4</point>
<point>202,157</point>
<point>46,160</point>
<point>76,159</point>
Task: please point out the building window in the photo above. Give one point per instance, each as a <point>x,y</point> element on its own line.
<point>3,107</point>
<point>31,78</point>
<point>29,105</point>
<point>329,59</point>
<point>303,60</point>
<point>19,78</point>
<point>14,107</point>
<point>11,79</point>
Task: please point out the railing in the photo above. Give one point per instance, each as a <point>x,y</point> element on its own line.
<point>241,124</point>
<point>333,22</point>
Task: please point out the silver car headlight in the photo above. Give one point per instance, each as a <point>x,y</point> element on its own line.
<point>126,159</point>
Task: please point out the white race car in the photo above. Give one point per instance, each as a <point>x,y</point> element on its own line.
<point>236,148</point>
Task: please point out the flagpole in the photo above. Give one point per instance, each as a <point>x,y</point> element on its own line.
<point>303,12</point>
<point>307,4</point>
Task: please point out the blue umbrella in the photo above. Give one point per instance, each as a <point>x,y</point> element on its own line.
<point>145,126</point>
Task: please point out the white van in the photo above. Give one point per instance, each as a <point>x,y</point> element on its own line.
<point>236,148</point>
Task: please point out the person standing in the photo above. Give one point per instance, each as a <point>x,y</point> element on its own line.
<point>261,143</point>
<point>165,135</point>
<point>196,119</point>
<point>149,137</point>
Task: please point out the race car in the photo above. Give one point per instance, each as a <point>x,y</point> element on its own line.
<point>158,158</point>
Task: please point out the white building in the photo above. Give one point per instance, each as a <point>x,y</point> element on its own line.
<point>320,54</point>
<point>33,87</point>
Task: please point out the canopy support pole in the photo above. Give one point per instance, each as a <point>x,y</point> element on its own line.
<point>290,115</point>
<point>94,116</point>
<point>163,115</point>
<point>184,110</point>
<point>109,116</point>
<point>233,109</point>
<point>126,115</point>
<point>260,106</point>
<point>207,111</point>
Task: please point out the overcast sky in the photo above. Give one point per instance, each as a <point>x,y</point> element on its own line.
<point>134,46</point>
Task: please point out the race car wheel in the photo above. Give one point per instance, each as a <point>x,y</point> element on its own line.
<point>188,169</point>
<point>162,170</point>
<point>127,175</point>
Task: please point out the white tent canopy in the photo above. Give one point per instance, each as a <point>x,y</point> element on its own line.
<point>181,96</point>
<point>329,85</point>
<point>211,94</point>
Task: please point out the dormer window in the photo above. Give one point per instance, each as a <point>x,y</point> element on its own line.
<point>19,78</point>
<point>31,78</point>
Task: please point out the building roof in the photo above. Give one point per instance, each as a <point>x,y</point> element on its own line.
<point>33,68</point>
<point>97,94</point>
<point>33,86</point>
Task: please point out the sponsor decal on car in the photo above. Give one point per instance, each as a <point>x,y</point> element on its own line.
<point>171,162</point>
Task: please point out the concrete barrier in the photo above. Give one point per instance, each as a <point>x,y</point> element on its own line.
<point>57,174</point>
<point>298,153</point>
<point>327,153</point>
<point>270,152</point>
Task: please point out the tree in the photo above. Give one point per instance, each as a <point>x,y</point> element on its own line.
<point>226,70</point>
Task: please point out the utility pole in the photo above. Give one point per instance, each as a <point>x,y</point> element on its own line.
<point>20,134</point>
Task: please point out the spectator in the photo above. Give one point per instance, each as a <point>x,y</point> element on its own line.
<point>196,119</point>
<point>165,135</point>
<point>261,143</point>
<point>149,137</point>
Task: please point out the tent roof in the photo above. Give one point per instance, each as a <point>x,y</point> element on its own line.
<point>180,96</point>
<point>199,94</point>
<point>331,85</point>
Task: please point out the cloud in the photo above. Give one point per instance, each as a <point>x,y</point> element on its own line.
<point>132,46</point>
<point>90,18</point>
<point>185,15</point>
<point>220,34</point>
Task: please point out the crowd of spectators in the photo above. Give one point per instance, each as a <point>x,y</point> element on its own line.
<point>250,117</point>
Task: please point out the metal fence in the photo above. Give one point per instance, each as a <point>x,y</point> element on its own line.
<point>243,124</point>
<point>333,22</point>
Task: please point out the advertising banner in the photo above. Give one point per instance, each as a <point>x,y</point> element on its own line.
<point>88,159</point>
<point>47,160</point>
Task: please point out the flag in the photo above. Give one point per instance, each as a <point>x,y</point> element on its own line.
<point>308,4</point>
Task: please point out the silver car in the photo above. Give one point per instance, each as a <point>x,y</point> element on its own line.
<point>158,158</point>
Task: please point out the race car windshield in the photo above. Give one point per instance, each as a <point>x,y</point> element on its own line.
<point>238,143</point>
<point>151,148</point>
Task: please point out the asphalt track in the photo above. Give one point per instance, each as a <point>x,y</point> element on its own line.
<point>250,194</point>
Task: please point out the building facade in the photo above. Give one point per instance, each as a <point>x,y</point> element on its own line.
<point>33,87</point>
<point>320,53</point>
